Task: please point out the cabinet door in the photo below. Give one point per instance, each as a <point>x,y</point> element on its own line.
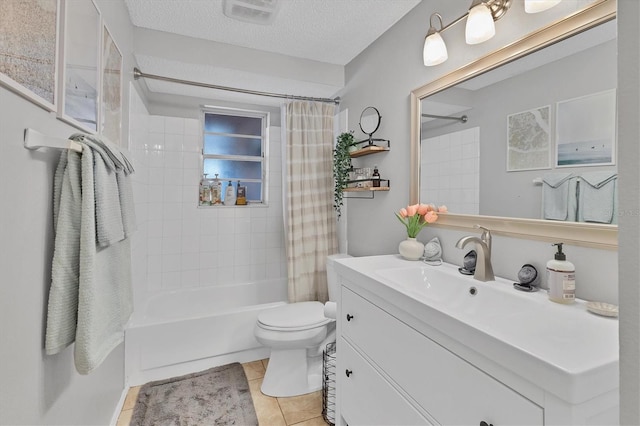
<point>450,389</point>
<point>367,399</point>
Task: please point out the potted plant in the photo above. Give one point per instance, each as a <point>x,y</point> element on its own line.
<point>341,168</point>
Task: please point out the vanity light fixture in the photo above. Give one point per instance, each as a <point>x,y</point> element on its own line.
<point>535,6</point>
<point>479,28</point>
<point>434,51</point>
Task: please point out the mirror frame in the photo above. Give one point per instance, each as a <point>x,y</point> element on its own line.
<point>575,233</point>
<point>377,125</point>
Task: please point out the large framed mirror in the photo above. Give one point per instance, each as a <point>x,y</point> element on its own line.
<point>590,28</point>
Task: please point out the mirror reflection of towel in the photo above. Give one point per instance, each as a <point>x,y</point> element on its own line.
<point>597,197</point>
<point>559,196</point>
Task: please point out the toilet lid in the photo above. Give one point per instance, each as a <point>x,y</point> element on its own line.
<point>294,316</point>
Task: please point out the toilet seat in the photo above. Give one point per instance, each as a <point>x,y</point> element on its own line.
<point>294,317</point>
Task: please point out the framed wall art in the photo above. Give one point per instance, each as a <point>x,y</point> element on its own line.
<point>111,103</point>
<point>29,49</point>
<point>528,139</point>
<point>81,70</point>
<point>586,130</point>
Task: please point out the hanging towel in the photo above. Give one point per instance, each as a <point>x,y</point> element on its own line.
<point>559,196</point>
<point>598,197</point>
<point>90,298</point>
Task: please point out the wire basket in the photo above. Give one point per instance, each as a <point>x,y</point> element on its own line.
<point>329,383</point>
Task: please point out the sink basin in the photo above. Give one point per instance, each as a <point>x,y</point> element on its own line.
<point>446,289</point>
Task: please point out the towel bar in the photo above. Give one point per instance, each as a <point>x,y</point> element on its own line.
<point>35,140</point>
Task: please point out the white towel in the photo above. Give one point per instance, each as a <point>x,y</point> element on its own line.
<point>559,196</point>
<point>90,298</point>
<point>598,197</point>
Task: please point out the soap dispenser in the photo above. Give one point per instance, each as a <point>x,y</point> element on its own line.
<point>230,196</point>
<point>561,278</point>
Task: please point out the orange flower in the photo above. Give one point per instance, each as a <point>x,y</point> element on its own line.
<point>423,209</point>
<point>412,210</point>
<point>443,209</point>
<point>430,217</point>
<point>403,212</point>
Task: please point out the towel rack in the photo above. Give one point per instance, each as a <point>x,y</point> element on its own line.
<point>35,140</point>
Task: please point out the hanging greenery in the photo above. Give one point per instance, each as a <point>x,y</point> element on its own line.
<point>341,167</point>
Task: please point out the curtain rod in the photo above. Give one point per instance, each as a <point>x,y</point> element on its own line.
<point>139,74</point>
<point>444,117</point>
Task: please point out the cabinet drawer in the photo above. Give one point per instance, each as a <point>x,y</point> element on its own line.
<point>446,386</point>
<point>367,398</point>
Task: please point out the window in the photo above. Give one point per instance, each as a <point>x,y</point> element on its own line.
<point>234,148</point>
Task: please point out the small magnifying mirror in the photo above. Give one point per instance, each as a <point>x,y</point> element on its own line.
<point>370,121</point>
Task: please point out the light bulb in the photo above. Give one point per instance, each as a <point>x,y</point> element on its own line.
<point>435,51</point>
<point>535,6</point>
<point>480,26</point>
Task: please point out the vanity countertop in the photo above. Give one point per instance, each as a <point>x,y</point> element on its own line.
<point>563,349</point>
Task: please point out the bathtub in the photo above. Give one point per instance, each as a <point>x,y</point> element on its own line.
<point>189,330</point>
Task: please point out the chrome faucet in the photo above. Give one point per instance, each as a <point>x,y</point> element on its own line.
<point>484,270</point>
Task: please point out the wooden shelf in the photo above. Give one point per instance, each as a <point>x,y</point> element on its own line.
<point>370,149</point>
<point>371,188</point>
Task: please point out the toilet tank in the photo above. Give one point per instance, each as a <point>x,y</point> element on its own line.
<point>332,277</point>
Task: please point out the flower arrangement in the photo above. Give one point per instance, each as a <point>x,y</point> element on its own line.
<point>417,216</point>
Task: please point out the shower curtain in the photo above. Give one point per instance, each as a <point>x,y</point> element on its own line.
<point>310,222</point>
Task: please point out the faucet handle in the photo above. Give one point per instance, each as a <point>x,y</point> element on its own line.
<point>486,234</point>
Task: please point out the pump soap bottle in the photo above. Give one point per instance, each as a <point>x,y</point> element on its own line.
<point>230,195</point>
<point>561,278</point>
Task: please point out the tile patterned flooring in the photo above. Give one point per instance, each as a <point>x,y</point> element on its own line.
<point>303,410</point>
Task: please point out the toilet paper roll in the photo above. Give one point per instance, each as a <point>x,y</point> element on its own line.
<point>330,310</point>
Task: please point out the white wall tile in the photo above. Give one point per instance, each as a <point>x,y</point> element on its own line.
<point>174,125</point>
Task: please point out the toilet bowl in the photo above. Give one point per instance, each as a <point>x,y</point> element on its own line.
<point>296,334</point>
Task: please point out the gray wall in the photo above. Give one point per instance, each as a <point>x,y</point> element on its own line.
<point>629,239</point>
<point>36,388</point>
<point>383,76</point>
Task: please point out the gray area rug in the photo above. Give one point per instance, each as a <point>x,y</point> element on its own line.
<point>218,396</point>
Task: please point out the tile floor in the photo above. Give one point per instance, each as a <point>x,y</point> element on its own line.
<point>304,410</point>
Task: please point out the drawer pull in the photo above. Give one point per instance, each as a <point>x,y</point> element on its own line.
<point>483,423</point>
<point>349,373</point>
<point>349,317</point>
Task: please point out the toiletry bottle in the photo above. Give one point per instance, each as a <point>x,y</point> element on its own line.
<point>205,191</point>
<point>215,191</point>
<point>241,197</point>
<point>375,177</point>
<point>230,196</point>
<point>561,278</point>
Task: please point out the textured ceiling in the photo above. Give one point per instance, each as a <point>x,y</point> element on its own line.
<point>332,31</point>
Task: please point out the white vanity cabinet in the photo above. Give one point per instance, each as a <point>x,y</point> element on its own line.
<point>398,364</point>
<point>445,387</point>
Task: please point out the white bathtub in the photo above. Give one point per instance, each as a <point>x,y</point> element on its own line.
<point>190,330</point>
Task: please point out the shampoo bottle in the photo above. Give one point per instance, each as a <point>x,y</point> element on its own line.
<point>561,278</point>
<point>230,196</point>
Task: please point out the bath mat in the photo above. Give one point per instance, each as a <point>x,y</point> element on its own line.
<point>218,396</point>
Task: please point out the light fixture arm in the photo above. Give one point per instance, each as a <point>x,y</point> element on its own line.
<point>432,29</point>
<point>498,9</point>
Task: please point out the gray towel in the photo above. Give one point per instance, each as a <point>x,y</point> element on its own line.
<point>598,197</point>
<point>90,298</point>
<point>115,210</point>
<point>559,196</point>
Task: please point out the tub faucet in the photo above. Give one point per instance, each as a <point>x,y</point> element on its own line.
<point>484,270</point>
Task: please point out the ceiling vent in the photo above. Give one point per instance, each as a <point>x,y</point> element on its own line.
<point>261,12</point>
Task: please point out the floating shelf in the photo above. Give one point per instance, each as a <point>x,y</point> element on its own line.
<point>370,149</point>
<point>372,188</point>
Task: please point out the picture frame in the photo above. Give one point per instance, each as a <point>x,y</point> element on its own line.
<point>29,50</point>
<point>529,139</point>
<point>111,95</point>
<point>80,70</point>
<point>586,130</point>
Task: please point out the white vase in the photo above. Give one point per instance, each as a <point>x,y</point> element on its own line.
<point>411,249</point>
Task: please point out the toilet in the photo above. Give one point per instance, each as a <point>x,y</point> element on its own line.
<point>297,333</point>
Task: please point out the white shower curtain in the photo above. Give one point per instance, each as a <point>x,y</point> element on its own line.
<point>310,222</point>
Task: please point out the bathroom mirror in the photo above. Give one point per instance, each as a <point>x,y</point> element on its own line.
<point>370,121</point>
<point>427,100</point>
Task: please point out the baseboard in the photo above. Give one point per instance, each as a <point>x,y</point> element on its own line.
<point>116,414</point>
